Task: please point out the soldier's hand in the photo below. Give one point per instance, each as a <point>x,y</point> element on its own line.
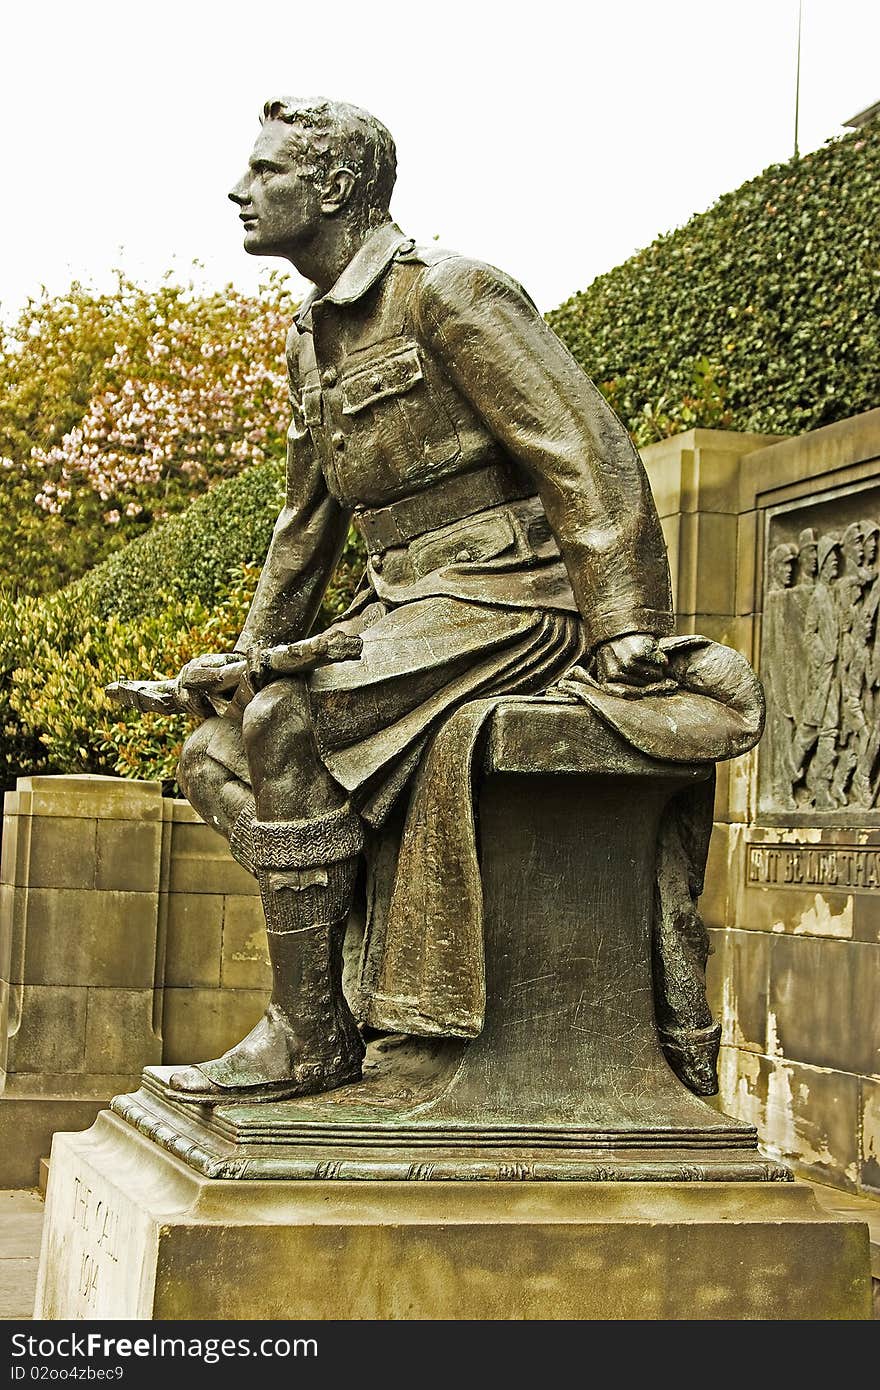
<point>635,659</point>
<point>216,674</point>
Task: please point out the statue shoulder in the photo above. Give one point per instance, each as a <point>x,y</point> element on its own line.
<point>452,282</point>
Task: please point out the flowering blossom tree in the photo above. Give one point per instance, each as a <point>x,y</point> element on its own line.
<point>122,408</point>
<point>205,397</point>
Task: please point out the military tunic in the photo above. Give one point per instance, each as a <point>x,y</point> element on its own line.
<point>508,520</point>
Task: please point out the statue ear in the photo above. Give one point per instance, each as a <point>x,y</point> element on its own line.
<point>337,190</point>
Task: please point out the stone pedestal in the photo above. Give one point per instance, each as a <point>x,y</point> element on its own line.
<point>133,1232</point>
<point>554,1167</point>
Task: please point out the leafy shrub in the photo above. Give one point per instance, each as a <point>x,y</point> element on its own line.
<point>190,555</point>
<point>20,747</point>
<point>65,657</point>
<point>180,591</point>
<point>762,314</point>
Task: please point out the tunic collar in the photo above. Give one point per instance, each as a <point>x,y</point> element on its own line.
<point>366,266</point>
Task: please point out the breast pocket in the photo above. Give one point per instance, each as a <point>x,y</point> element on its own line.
<point>397,422</point>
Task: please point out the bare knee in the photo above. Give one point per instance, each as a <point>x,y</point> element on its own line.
<point>216,793</point>
<point>193,758</point>
<point>277,724</point>
<point>289,779</point>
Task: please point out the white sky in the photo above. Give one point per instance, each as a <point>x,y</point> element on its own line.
<point>549,137</point>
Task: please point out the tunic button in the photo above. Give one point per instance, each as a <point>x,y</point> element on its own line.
<point>377,383</point>
<point>463,556</point>
<point>338,439</point>
<point>377,563</point>
<point>330,376</point>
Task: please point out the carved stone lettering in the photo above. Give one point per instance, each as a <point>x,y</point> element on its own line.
<point>97,1224</point>
<point>839,868</point>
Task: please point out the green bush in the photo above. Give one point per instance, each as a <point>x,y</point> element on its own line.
<point>180,591</point>
<point>761,314</point>
<point>190,555</point>
<point>54,695</point>
<point>20,748</point>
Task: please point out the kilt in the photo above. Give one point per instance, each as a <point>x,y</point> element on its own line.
<point>421,660</point>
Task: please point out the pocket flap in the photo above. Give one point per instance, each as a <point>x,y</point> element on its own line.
<point>388,375</point>
<point>469,542</point>
<point>313,405</point>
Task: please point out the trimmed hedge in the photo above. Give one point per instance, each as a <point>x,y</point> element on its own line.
<point>761,314</point>
<point>179,591</point>
<point>190,555</point>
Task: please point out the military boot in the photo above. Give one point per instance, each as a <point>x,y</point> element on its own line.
<point>307,1041</point>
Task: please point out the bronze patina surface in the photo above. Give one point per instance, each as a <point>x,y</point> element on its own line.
<point>531,978</point>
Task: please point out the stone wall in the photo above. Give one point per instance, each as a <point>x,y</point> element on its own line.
<point>128,937</point>
<point>216,974</point>
<point>793,889</point>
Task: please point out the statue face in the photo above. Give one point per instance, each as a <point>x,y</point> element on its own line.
<point>854,551</point>
<point>830,567</point>
<point>278,198</point>
<point>782,562</point>
<point>808,560</point>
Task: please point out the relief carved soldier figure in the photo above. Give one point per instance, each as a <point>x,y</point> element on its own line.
<point>781,673</point>
<point>865,782</point>
<point>793,635</point>
<point>852,668</point>
<point>511,538</point>
<point>820,725</point>
<point>820,657</point>
<point>808,558</point>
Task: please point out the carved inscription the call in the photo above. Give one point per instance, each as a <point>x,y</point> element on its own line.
<point>821,668</point>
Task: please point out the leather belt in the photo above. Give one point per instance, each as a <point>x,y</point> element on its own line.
<point>446,501</point>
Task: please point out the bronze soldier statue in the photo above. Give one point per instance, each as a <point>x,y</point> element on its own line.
<point>511,536</point>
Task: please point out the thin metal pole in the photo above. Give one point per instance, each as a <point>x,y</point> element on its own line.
<point>797,81</point>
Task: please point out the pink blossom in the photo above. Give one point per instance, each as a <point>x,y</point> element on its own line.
<point>204,396</point>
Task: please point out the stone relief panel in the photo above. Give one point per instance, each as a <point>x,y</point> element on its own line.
<point>820,658</point>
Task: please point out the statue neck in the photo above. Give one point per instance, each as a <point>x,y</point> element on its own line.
<point>326,258</point>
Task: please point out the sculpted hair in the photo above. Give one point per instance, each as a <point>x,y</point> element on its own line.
<point>336,135</point>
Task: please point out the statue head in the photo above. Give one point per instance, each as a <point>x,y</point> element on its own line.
<point>313,160</point>
<point>828,557</point>
<point>871,534</point>
<point>808,554</point>
<point>853,545</point>
<point>782,563</point>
